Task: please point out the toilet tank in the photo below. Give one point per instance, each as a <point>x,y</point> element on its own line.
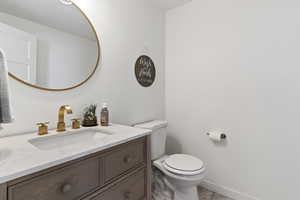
<point>158,137</point>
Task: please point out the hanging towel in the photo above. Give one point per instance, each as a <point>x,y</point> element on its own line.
<point>5,106</point>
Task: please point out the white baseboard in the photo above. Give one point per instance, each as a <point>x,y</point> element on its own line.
<point>226,191</point>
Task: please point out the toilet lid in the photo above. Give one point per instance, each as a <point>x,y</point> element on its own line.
<point>183,164</point>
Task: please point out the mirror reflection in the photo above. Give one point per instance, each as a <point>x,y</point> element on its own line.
<point>48,44</point>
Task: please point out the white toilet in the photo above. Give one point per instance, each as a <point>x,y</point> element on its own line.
<point>183,173</point>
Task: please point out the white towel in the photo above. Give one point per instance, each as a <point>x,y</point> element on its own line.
<point>5,106</point>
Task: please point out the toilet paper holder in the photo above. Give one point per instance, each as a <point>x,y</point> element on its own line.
<point>223,135</point>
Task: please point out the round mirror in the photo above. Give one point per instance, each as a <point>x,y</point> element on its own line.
<point>48,44</point>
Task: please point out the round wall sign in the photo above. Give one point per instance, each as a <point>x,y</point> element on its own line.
<point>145,71</point>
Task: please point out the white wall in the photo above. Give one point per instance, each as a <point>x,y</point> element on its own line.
<point>63,59</point>
<point>169,4</point>
<point>124,27</point>
<point>234,65</point>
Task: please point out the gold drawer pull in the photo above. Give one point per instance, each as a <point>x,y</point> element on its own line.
<point>127,195</point>
<point>66,188</point>
<point>128,159</point>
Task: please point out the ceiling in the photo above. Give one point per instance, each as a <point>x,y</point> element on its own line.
<point>54,14</point>
<point>51,13</point>
<point>169,4</point>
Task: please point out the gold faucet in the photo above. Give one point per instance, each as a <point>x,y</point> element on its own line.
<point>61,125</point>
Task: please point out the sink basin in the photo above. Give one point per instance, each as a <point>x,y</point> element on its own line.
<point>68,139</point>
<point>4,154</point>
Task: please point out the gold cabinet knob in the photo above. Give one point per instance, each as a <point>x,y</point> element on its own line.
<point>127,195</point>
<point>66,188</point>
<point>127,159</point>
<point>43,128</point>
<point>76,123</point>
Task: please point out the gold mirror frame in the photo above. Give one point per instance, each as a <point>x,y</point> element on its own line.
<point>83,82</point>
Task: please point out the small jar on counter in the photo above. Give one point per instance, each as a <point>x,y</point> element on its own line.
<point>104,118</point>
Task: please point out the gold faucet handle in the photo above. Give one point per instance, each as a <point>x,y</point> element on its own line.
<point>43,124</point>
<point>76,123</point>
<point>43,128</point>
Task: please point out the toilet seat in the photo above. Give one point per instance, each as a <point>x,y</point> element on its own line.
<point>159,164</point>
<point>182,164</point>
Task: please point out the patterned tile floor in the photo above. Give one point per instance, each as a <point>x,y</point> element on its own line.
<point>205,194</point>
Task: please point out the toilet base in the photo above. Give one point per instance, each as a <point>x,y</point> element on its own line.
<point>183,187</point>
<point>186,194</point>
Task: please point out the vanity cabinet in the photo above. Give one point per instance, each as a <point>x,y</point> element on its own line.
<point>121,160</point>
<point>69,182</point>
<point>132,188</point>
<point>119,173</point>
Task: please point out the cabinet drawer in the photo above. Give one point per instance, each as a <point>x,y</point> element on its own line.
<point>67,183</point>
<point>132,188</point>
<point>123,159</point>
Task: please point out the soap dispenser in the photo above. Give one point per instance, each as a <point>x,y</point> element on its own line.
<point>104,118</point>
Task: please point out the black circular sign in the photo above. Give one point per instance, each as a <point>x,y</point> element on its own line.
<point>145,71</point>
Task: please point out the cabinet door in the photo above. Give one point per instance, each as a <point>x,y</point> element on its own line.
<point>126,158</point>
<point>132,188</point>
<point>68,183</point>
<point>3,191</point>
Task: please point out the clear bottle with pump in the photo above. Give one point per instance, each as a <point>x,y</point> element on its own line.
<point>104,119</point>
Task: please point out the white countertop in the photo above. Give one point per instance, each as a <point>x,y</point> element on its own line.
<point>18,157</point>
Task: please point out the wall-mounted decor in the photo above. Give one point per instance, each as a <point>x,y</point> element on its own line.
<point>145,71</point>
<point>89,116</point>
<point>54,47</point>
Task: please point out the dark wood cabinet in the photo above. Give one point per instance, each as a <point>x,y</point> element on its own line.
<point>68,183</point>
<point>123,159</point>
<point>122,172</point>
<point>132,188</point>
